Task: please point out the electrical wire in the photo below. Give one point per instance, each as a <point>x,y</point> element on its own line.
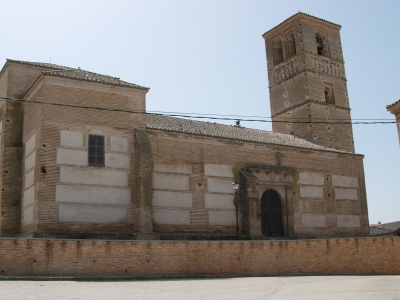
<point>205,116</point>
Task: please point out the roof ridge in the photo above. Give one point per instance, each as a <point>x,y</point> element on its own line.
<point>80,70</point>
<point>80,74</point>
<point>39,64</point>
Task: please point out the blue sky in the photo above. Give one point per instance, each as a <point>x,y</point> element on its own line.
<point>209,57</point>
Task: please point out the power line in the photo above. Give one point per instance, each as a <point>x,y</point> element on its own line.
<point>198,116</point>
<point>261,117</point>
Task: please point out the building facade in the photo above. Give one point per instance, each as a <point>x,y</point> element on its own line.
<point>387,229</point>
<point>80,159</point>
<point>394,108</point>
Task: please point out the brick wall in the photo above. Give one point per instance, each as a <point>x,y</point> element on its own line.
<point>351,256</point>
<point>48,122</point>
<point>398,124</point>
<point>195,152</point>
<point>394,108</point>
<point>303,76</point>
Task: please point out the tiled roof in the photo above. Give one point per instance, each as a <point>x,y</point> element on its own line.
<point>299,14</point>
<point>90,76</point>
<point>390,105</point>
<point>230,132</point>
<point>39,64</point>
<point>384,228</point>
<point>78,74</point>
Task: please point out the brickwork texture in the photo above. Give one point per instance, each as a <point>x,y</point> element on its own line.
<point>351,256</point>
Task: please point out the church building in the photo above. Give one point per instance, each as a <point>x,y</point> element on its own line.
<point>79,158</point>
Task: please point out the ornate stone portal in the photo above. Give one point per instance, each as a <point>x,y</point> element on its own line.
<point>255,181</point>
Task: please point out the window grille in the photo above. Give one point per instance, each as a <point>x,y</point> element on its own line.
<point>96,150</point>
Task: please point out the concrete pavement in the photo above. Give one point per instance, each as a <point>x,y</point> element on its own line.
<point>273,288</point>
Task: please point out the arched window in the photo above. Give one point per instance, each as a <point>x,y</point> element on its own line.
<point>278,54</point>
<point>328,96</point>
<point>291,45</point>
<point>320,44</point>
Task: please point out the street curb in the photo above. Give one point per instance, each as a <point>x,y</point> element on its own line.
<point>150,277</point>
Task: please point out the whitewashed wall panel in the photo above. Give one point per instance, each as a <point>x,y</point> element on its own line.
<point>93,195</point>
<point>29,197</point>
<point>344,181</point>
<point>218,170</point>
<point>346,194</point>
<point>71,139</point>
<point>172,199</point>
<point>313,220</point>
<point>312,192</point>
<point>30,145</point>
<point>173,168</point>
<point>171,216</point>
<point>92,213</point>
<point>311,178</point>
<point>171,181</point>
<point>28,215</point>
<point>350,221</point>
<point>219,201</point>
<point>118,143</point>
<point>72,157</point>
<point>223,217</point>
<point>119,161</point>
<point>93,176</point>
<point>30,161</point>
<point>29,178</point>
<point>216,185</point>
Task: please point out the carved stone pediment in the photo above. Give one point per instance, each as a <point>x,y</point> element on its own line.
<point>271,174</point>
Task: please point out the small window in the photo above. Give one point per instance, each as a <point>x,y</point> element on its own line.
<point>96,150</point>
<point>322,44</point>
<point>278,54</point>
<point>329,96</point>
<point>291,46</point>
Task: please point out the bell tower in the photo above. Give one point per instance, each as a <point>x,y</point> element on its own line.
<point>307,81</point>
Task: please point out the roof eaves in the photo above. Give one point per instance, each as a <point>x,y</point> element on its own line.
<point>298,15</point>
<point>3,69</point>
<point>392,104</point>
<point>39,64</point>
<point>266,143</point>
<point>319,148</point>
<point>34,83</point>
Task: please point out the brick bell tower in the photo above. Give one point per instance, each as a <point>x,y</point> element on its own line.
<point>307,81</point>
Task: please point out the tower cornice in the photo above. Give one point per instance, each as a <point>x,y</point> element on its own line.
<point>302,71</point>
<point>394,108</point>
<point>297,16</point>
<point>305,53</point>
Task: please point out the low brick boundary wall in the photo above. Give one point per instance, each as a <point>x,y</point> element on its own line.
<point>380,255</point>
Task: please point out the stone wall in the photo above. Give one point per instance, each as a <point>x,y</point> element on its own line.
<point>351,256</point>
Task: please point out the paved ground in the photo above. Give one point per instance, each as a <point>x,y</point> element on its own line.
<point>272,288</point>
